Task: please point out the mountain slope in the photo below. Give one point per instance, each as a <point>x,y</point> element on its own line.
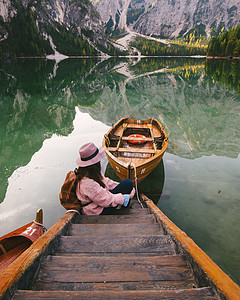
<point>171,18</point>
<point>75,27</point>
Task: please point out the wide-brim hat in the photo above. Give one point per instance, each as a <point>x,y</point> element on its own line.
<point>89,155</point>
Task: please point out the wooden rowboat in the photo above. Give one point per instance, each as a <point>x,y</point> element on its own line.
<point>16,242</point>
<point>134,148</point>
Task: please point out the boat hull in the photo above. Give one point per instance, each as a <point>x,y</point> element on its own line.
<point>13,244</point>
<point>136,158</point>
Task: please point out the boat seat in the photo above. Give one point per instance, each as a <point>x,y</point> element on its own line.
<point>126,138</point>
<point>146,139</point>
<point>131,150</point>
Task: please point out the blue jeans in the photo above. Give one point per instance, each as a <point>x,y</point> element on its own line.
<point>124,187</point>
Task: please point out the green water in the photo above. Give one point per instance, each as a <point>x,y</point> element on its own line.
<point>48,110</point>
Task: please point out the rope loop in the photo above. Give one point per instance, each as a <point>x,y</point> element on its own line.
<point>73,210</point>
<point>39,224</point>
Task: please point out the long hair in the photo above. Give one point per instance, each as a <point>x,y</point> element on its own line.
<point>92,172</point>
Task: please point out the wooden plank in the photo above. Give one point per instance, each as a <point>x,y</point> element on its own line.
<point>115,219</point>
<point>108,269</point>
<point>117,274</point>
<point>113,254</point>
<point>127,260</point>
<point>144,139</point>
<point>116,286</point>
<point>136,210</point>
<point>189,294</point>
<point>126,138</point>
<point>161,244</point>
<point>128,211</point>
<point>114,230</point>
<point>131,150</point>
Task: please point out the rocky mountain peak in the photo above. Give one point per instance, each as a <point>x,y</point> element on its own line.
<point>171,18</point>
<point>67,20</point>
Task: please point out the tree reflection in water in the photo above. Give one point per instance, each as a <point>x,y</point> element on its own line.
<point>198,103</point>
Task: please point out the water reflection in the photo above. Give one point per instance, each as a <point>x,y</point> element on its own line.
<point>34,104</point>
<point>226,72</point>
<point>204,202</point>
<point>190,98</point>
<point>198,113</point>
<point>37,184</point>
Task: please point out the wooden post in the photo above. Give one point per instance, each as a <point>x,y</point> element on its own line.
<point>39,216</point>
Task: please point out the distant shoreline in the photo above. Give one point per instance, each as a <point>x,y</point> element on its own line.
<point>107,57</point>
<point>127,56</point>
<point>223,57</point>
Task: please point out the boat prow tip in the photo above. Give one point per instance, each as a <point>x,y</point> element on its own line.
<point>39,216</point>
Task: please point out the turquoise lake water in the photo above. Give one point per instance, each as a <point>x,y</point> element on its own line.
<point>48,110</point>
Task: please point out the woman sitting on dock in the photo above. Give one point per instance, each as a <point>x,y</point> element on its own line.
<point>98,194</point>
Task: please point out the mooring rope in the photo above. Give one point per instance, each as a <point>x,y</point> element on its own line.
<point>73,210</point>
<point>135,177</point>
<point>39,224</point>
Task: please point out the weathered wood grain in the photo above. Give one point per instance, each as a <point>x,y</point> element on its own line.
<point>162,244</point>
<point>136,210</point>
<point>124,259</point>
<point>118,257</point>
<point>115,254</point>
<point>110,269</point>
<point>116,286</point>
<point>189,294</point>
<point>144,139</point>
<point>130,150</point>
<point>96,272</point>
<point>115,219</point>
<point>114,229</point>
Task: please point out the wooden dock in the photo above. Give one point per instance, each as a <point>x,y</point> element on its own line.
<point>129,255</point>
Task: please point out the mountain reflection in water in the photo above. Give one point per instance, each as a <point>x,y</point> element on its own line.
<point>197,102</point>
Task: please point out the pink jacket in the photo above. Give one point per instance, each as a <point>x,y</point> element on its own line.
<point>89,190</point>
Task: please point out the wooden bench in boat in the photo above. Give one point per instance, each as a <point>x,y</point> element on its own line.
<point>126,138</point>
<point>132,150</point>
<point>134,254</point>
<point>139,139</point>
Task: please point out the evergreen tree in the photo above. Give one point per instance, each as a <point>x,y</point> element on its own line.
<point>236,51</point>
<point>227,44</point>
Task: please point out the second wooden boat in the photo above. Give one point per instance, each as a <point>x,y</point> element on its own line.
<point>16,242</point>
<point>134,148</point>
